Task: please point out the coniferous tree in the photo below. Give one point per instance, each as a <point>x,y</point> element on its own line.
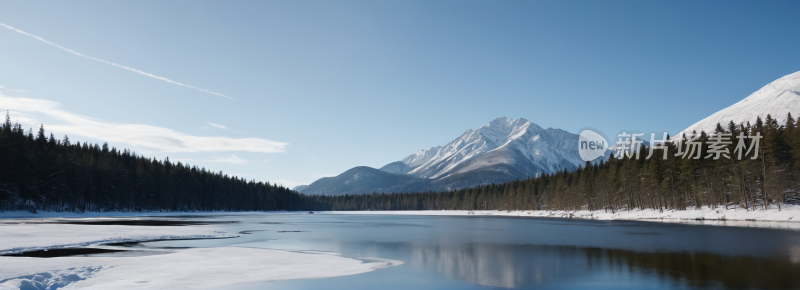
<point>40,173</point>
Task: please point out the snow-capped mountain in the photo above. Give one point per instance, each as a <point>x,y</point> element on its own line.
<point>778,98</point>
<point>503,150</point>
<point>518,143</point>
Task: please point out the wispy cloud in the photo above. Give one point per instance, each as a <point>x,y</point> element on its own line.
<point>217,125</point>
<point>163,139</point>
<point>13,91</point>
<point>21,117</point>
<point>232,159</point>
<point>114,64</point>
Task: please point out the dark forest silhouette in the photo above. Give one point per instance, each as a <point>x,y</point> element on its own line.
<point>38,172</point>
<point>42,173</point>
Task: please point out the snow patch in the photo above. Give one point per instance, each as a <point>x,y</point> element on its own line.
<point>777,98</point>
<point>210,268</point>
<point>48,280</point>
<point>21,235</point>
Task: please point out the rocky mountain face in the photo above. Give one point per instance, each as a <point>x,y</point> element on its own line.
<point>523,145</point>
<point>502,150</point>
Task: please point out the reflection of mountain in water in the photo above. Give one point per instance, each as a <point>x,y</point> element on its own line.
<point>534,266</point>
<point>502,265</point>
<point>707,270</point>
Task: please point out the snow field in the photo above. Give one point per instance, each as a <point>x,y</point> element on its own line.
<point>20,235</point>
<point>207,268</point>
<point>200,268</point>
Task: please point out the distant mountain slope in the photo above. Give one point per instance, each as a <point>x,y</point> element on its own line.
<point>397,167</point>
<point>777,98</point>
<point>364,179</point>
<point>497,173</point>
<point>503,150</point>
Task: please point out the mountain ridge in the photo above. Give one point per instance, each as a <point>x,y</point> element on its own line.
<point>777,98</point>
<point>505,149</point>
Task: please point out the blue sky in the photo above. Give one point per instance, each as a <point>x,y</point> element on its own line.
<point>319,87</point>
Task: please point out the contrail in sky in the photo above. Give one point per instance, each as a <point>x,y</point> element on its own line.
<point>114,64</point>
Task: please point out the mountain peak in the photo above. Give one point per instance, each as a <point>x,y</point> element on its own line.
<point>505,149</point>
<point>777,98</point>
<point>505,122</point>
<point>543,150</point>
<point>790,82</point>
<point>504,129</point>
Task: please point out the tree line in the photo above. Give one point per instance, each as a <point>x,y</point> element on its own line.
<point>38,172</point>
<point>626,183</point>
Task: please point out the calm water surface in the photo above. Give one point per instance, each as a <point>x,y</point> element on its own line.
<point>442,252</point>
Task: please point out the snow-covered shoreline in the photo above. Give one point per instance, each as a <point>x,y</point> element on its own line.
<point>789,214</point>
<point>31,234</point>
<point>63,214</point>
<point>207,268</point>
<point>216,267</point>
<point>787,217</point>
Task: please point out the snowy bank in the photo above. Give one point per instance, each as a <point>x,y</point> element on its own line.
<point>18,235</point>
<point>788,216</point>
<point>46,214</point>
<point>219,267</point>
<point>209,268</point>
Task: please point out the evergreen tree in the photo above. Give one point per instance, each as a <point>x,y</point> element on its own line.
<point>41,139</point>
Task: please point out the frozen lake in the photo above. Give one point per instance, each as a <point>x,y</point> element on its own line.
<point>464,252</point>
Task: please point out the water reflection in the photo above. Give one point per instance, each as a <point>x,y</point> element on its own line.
<point>532,266</point>
<point>499,265</point>
<point>705,270</point>
<point>484,253</point>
